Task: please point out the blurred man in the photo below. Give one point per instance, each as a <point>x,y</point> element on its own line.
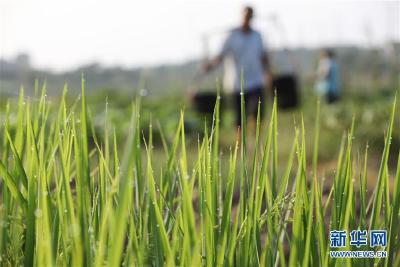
<point>328,76</point>
<point>246,64</point>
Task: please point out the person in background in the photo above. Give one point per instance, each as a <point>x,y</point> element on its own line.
<point>246,64</point>
<point>328,76</point>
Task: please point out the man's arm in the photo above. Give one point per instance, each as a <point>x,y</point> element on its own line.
<point>267,68</point>
<point>226,47</point>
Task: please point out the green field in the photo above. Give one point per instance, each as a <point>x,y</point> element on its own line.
<point>114,180</point>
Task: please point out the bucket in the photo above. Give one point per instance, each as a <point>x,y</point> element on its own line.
<point>286,88</point>
<point>204,102</point>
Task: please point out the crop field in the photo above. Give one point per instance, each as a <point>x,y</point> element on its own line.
<point>85,182</point>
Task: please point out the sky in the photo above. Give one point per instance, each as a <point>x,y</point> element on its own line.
<point>61,34</point>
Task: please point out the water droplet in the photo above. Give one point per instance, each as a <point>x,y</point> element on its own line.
<point>38,213</point>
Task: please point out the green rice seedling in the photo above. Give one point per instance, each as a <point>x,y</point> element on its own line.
<point>74,196</point>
